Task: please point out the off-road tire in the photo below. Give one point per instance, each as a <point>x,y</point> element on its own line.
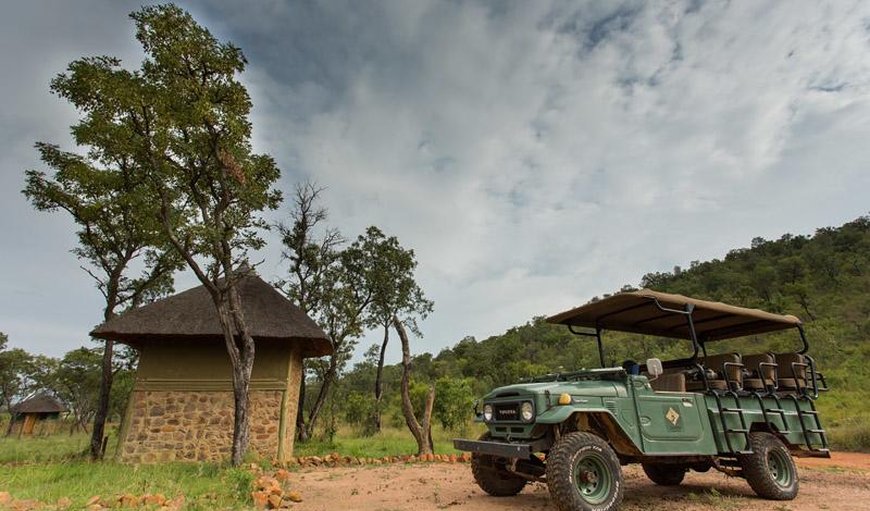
<point>664,474</point>
<point>583,473</point>
<point>495,481</point>
<point>770,469</point>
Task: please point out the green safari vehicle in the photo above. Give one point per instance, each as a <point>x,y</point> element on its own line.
<point>744,414</point>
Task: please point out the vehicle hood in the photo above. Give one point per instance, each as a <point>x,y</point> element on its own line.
<point>591,388</point>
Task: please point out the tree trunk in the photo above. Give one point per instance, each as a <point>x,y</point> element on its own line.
<point>103,404</point>
<point>379,390</point>
<point>11,417</point>
<point>422,431</point>
<point>240,347</point>
<point>301,427</point>
<point>328,380</point>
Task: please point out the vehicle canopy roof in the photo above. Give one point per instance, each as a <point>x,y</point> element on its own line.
<point>662,314</point>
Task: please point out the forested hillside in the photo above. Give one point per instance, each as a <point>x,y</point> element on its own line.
<point>824,279</point>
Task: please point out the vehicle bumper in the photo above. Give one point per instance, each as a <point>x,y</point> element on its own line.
<point>501,449</point>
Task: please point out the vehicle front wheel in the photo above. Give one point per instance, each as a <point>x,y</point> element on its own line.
<point>770,469</point>
<point>664,474</point>
<point>492,476</point>
<point>583,473</point>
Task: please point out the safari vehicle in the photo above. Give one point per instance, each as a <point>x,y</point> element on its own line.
<point>742,414</point>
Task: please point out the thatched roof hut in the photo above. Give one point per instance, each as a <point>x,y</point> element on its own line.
<point>191,316</point>
<point>181,407</point>
<point>39,404</point>
<point>27,413</point>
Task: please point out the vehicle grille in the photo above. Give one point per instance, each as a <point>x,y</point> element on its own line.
<point>507,412</point>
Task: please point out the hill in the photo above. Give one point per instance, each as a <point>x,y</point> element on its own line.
<point>823,279</point>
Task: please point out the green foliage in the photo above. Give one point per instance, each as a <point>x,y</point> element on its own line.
<point>358,409</point>
<point>17,373</point>
<point>387,272</point>
<point>453,403</point>
<point>77,382</point>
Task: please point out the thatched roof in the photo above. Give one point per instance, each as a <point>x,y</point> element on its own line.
<point>191,315</point>
<point>40,403</point>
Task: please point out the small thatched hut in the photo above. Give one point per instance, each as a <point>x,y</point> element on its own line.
<point>181,407</point>
<point>34,410</point>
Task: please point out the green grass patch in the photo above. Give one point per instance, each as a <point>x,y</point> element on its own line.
<point>850,437</point>
<point>52,467</point>
<point>846,418</point>
<point>204,485</point>
<point>54,448</point>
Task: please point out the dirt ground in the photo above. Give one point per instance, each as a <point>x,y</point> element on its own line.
<point>841,483</point>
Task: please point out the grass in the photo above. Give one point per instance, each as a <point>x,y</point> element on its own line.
<point>51,448</point>
<point>204,485</point>
<point>52,467</point>
<point>846,417</point>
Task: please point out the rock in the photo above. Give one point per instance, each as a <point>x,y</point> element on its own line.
<point>93,500</point>
<point>64,503</point>
<point>5,498</point>
<point>274,501</point>
<point>452,458</point>
<point>282,475</point>
<point>128,500</point>
<point>260,498</point>
<point>294,496</point>
<point>157,499</point>
<point>175,504</point>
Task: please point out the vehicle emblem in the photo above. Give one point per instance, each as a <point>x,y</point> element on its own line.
<point>672,416</point>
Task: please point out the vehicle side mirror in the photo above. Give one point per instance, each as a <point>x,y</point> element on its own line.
<point>654,367</point>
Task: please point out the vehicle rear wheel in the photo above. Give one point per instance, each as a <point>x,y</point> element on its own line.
<point>583,473</point>
<point>770,469</point>
<point>665,474</point>
<point>492,476</point>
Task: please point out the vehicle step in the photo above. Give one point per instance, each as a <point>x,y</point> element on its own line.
<point>819,431</point>
<point>737,430</point>
<point>808,412</point>
<point>745,453</point>
<point>733,410</point>
<point>776,410</point>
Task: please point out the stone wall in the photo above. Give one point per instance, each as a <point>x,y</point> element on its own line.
<point>171,425</point>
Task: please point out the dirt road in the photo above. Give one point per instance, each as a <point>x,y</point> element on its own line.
<point>842,483</point>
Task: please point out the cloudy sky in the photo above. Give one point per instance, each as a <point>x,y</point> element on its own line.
<point>533,154</point>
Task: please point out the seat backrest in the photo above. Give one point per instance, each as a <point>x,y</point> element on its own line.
<point>786,370</point>
<point>669,382</point>
<point>752,363</point>
<point>717,363</point>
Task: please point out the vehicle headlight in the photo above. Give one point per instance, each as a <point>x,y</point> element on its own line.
<point>487,412</point>
<point>527,411</point>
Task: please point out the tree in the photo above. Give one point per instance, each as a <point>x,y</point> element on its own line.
<point>118,229</point>
<point>389,276</point>
<point>16,367</point>
<point>182,122</point>
<point>455,400</point>
<point>311,255</point>
<point>421,430</point>
<point>76,380</point>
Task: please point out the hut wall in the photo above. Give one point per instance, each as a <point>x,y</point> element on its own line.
<point>181,407</point>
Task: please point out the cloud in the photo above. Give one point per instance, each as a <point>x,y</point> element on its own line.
<point>535,154</point>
